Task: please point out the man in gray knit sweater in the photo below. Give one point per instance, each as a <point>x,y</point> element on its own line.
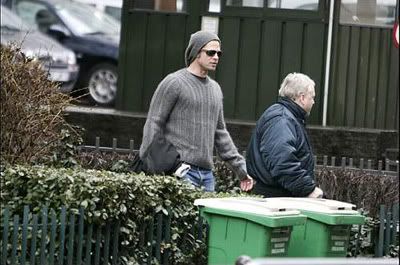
<point>187,109</point>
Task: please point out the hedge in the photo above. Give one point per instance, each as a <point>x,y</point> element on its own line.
<point>107,195</point>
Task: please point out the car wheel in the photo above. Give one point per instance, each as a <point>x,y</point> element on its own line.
<point>102,83</point>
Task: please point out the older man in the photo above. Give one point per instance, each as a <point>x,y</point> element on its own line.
<point>279,156</point>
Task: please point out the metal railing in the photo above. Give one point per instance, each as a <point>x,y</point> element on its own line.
<point>386,166</point>
<point>67,238</point>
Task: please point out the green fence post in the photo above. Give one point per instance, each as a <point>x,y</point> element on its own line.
<point>379,252</point>
<point>43,241</point>
<point>150,232</point>
<point>167,237</point>
<point>142,233</point>
<point>34,238</point>
<point>6,216</point>
<point>53,229</point>
<point>89,245</point>
<point>24,234</point>
<point>71,238</point>
<point>159,236</point>
<point>388,218</point>
<point>395,218</point>
<point>62,234</point>
<point>106,247</point>
<point>97,247</point>
<point>115,243</point>
<point>15,240</point>
<point>80,236</point>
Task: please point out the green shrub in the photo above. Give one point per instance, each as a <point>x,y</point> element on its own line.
<point>107,195</point>
<point>33,129</point>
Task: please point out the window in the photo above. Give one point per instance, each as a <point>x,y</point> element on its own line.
<point>245,3</point>
<point>368,12</point>
<point>294,4</point>
<point>161,5</point>
<point>214,6</point>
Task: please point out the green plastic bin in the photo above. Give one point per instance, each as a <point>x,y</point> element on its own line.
<point>245,227</point>
<point>327,230</point>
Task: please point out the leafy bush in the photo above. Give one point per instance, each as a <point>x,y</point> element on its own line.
<point>107,195</point>
<point>32,125</point>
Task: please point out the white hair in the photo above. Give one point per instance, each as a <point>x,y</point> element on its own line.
<point>296,84</point>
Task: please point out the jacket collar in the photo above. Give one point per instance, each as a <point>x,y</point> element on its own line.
<point>295,109</point>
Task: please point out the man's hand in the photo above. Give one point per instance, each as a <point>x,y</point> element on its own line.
<point>247,183</point>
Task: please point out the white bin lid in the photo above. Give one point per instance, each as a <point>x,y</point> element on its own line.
<point>314,205</point>
<point>252,206</point>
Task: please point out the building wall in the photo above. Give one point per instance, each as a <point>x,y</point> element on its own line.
<point>261,46</point>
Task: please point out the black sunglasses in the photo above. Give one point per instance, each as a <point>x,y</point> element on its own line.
<point>211,53</point>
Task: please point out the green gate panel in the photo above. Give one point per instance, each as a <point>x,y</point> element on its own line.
<point>292,41</point>
<point>362,81</point>
<point>175,43</point>
<point>383,79</point>
<point>130,83</point>
<point>364,87</point>
<point>372,78</point>
<point>247,79</point>
<point>312,65</point>
<point>352,70</point>
<point>269,74</point>
<point>154,60</point>
<point>338,93</point>
<point>392,111</point>
<point>228,67</point>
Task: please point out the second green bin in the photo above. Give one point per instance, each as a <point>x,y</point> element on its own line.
<point>327,230</point>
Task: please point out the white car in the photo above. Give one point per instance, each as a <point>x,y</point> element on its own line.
<point>111,7</point>
<point>59,61</point>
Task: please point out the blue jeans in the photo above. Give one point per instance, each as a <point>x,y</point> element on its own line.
<point>200,177</point>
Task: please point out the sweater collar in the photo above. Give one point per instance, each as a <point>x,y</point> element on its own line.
<point>295,109</point>
<point>204,80</point>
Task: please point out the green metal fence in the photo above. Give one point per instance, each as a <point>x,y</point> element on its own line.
<point>65,238</point>
<point>48,238</point>
<point>388,229</point>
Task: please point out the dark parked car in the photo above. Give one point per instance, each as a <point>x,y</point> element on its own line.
<point>90,33</point>
<point>57,60</point>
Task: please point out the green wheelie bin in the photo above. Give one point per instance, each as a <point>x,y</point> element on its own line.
<point>327,229</point>
<point>247,227</point>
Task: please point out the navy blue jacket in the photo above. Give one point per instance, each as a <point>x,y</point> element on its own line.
<point>279,156</point>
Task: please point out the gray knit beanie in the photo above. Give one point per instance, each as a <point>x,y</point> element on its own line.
<point>196,42</point>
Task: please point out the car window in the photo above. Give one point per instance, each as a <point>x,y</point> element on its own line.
<point>27,11</point>
<point>113,11</point>
<point>83,19</point>
<point>36,14</point>
<point>11,21</point>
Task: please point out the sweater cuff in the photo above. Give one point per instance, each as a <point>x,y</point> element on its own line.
<point>241,172</point>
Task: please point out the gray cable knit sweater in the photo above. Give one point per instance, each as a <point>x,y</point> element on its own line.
<point>189,111</point>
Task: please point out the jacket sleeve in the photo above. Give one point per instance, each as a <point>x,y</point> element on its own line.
<point>227,150</point>
<point>278,149</point>
<point>161,105</point>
